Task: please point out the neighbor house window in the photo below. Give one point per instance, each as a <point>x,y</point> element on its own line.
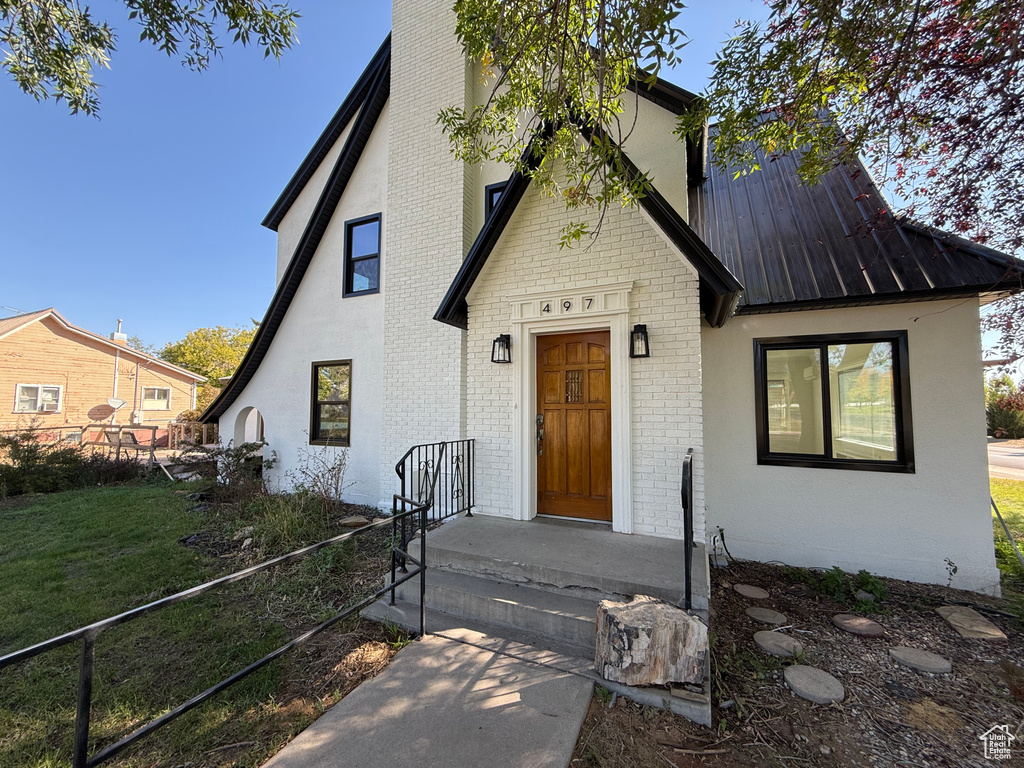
<point>329,420</point>
<point>834,401</point>
<point>492,194</point>
<point>37,398</point>
<point>362,255</point>
<point>156,399</point>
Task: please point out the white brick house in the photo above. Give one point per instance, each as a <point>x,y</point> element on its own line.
<point>823,364</point>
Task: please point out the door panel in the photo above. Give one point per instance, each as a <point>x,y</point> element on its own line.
<point>574,471</point>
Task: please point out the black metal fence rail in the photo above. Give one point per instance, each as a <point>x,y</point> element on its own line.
<point>450,464</point>
<point>409,514</point>
<point>686,491</point>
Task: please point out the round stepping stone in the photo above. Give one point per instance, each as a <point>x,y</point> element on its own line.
<point>858,625</point>
<point>813,684</point>
<point>766,616</point>
<point>777,644</point>
<point>922,661</point>
<point>754,593</point>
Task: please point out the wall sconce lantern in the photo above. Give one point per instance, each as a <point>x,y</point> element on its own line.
<point>639,345</point>
<point>501,349</point>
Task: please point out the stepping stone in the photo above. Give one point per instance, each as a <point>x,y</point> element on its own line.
<point>754,593</point>
<point>766,616</point>
<point>777,644</point>
<point>969,623</point>
<point>858,625</point>
<point>813,684</point>
<point>922,661</point>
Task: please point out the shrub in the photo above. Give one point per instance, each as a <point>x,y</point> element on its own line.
<point>30,465</point>
<point>1004,408</point>
<point>237,470</point>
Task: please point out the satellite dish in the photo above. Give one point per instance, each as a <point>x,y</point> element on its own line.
<point>116,402</point>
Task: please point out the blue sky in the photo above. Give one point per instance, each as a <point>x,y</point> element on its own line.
<point>152,213</point>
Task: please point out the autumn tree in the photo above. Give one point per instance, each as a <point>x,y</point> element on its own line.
<point>53,47</point>
<point>213,352</point>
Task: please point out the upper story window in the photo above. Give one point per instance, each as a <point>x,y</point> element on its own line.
<point>156,399</point>
<point>492,194</point>
<point>36,398</point>
<point>329,412</point>
<point>834,401</point>
<point>362,255</point>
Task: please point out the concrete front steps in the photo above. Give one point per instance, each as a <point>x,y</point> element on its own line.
<point>537,585</point>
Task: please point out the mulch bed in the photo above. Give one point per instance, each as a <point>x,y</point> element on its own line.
<point>892,715</point>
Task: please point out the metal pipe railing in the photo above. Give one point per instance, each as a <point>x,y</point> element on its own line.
<point>89,633</point>
<point>686,491</point>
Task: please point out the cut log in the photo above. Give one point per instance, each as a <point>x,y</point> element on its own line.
<point>649,642</point>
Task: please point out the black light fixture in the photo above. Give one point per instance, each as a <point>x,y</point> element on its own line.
<point>501,349</point>
<point>639,345</point>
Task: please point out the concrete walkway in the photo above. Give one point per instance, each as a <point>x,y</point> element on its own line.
<point>444,703</point>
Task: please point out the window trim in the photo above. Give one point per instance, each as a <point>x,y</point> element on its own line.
<point>488,205</point>
<point>314,402</point>
<point>904,462</point>
<point>142,399</point>
<point>39,392</point>
<point>348,277</point>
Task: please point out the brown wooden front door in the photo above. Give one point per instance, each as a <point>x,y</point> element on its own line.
<point>574,468</point>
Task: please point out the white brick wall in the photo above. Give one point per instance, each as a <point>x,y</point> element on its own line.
<point>424,395</point>
<point>666,388</point>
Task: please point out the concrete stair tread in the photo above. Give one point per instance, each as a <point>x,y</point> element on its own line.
<point>407,615</point>
<point>580,559</point>
<point>569,606</point>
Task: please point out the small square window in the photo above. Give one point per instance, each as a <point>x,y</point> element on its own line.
<point>156,399</point>
<point>835,401</point>
<point>330,399</point>
<point>362,256</point>
<point>492,194</point>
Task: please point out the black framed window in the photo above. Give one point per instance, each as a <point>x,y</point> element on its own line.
<point>330,403</point>
<point>839,401</point>
<point>362,255</point>
<point>492,194</point>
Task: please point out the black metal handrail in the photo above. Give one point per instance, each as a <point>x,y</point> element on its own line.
<point>450,466</point>
<point>686,491</point>
<point>89,633</point>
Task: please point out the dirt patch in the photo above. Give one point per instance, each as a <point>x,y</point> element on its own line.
<point>892,715</point>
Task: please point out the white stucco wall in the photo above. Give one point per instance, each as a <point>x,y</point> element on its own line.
<point>320,325</point>
<point>665,388</point>
<point>899,525</point>
<point>294,222</point>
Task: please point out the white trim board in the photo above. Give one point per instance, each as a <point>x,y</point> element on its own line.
<point>608,311</point>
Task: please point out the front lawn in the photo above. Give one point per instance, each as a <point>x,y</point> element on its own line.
<point>72,558</point>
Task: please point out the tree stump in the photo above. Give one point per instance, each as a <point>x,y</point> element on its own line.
<point>649,642</point>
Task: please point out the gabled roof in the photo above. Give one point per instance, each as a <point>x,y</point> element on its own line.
<point>10,325</point>
<point>833,244</point>
<point>719,289</point>
<point>368,110</point>
<point>334,129</point>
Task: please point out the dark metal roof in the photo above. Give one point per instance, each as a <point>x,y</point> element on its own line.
<point>323,145</point>
<point>833,244</point>
<point>369,110</point>
<point>719,289</point>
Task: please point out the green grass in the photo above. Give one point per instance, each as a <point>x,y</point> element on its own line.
<point>1009,496</point>
<point>72,558</point>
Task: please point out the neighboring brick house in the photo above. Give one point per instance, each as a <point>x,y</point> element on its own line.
<point>835,417</point>
<point>56,374</point>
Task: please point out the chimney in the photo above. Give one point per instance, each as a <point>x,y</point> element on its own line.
<point>119,338</point>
